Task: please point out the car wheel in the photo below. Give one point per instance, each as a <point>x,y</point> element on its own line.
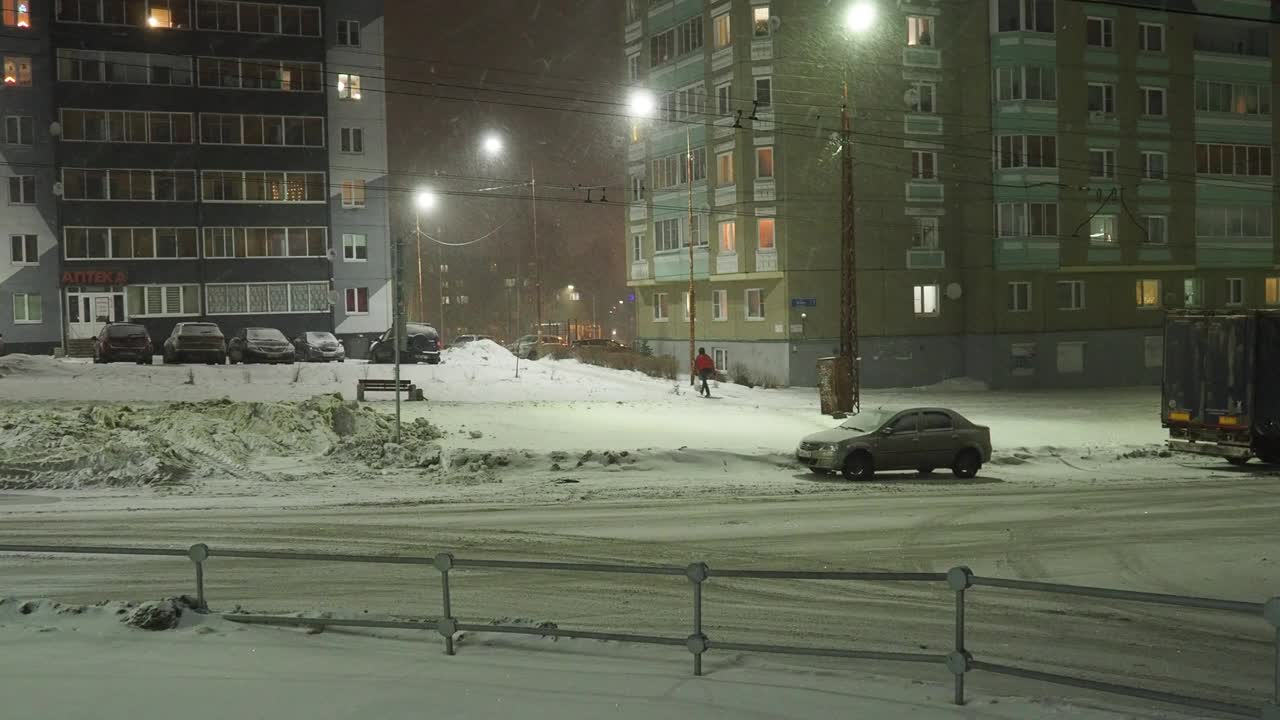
<point>144,361</point>
<point>967,464</point>
<point>925,470</point>
<point>433,361</point>
<point>858,466</point>
<point>820,471</point>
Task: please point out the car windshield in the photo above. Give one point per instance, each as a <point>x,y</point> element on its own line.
<point>316,338</point>
<point>264,334</point>
<point>126,331</point>
<point>202,329</point>
<point>867,420</point>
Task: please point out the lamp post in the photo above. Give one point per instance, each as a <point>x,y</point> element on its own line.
<point>493,146</point>
<point>424,200</point>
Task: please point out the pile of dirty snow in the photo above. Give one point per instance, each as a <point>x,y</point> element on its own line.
<point>479,352</point>
<point>156,445</point>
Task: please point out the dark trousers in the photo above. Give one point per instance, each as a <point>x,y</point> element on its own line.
<point>704,390</point>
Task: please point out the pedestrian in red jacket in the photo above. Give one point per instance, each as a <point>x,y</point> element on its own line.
<point>705,367</point>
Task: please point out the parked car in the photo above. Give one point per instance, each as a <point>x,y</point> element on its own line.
<point>527,346</point>
<point>464,339</point>
<point>259,345</point>
<point>195,341</point>
<point>318,347</point>
<point>422,344</point>
<point>600,344</point>
<point>123,341</point>
<point>918,438</point>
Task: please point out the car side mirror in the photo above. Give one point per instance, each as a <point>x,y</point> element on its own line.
<point>886,431</point>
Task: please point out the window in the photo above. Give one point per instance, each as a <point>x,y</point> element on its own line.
<point>637,187</point>
<point>163,300</point>
<point>1219,159</point>
<point>1151,37</point>
<point>286,130</point>
<point>764,162</point>
<point>724,168</point>
<point>1099,32</point>
<point>27,309</point>
<point>1192,295</point>
<point>353,193</point>
<point>637,247</point>
<point>926,300</point>
<point>1271,291</point>
<point>119,184</point>
<point>633,11</point>
<point>277,75</point>
<point>689,35</point>
<point>924,233</point>
<point>765,230</point>
<point>124,243</point>
<point>1233,38</point>
<point>724,99</point>
<point>351,140</point>
<point>906,423</point>
<point>18,130</point>
<point>919,31</point>
<point>95,66</point>
<point>728,233</point>
<point>1102,163</point>
<point>719,308</point>
<point>755,304</point>
<point>1153,164</point>
<point>348,86</point>
<point>1233,221</point>
<point>263,298</point>
<point>1153,102</point>
<point>1101,98</point>
<point>924,164</point>
<point>22,190</point>
<point>721,31</point>
<point>674,42</point>
<point>1030,15</point>
<point>760,21</point>
<point>1019,297</point>
<point>764,92</point>
<point>666,235</point>
<point>1070,294</point>
<point>1015,151</point>
<point>355,247</point>
<point>1148,293</point>
<point>15,13</point>
<point>633,66</point>
<point>349,33</point>
<point>1070,357</point>
<point>1157,229</point>
<point>672,170</point>
<point>17,71</point>
<point>935,421</point>
<point>1229,97</point>
<point>258,186</point>
<point>1022,359</point>
<point>1030,82</point>
<point>1102,229</point>
<point>1235,291</point>
<point>23,250</point>
<point>695,231</point>
<point>721,358</point>
<point>661,313</point>
<point>922,96</point>
<point>252,17</point>
<point>357,301</point>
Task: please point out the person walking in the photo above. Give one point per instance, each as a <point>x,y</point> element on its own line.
<point>705,367</point>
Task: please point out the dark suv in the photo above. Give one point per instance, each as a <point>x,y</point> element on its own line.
<point>123,341</point>
<point>195,341</point>
<point>422,345</point>
<point>259,344</point>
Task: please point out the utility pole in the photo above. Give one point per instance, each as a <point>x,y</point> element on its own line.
<point>693,307</point>
<point>537,259</point>
<point>443,270</point>
<point>397,317</point>
<point>421,305</point>
<point>848,397</point>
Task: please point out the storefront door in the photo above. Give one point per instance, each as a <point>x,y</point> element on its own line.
<point>88,309</point>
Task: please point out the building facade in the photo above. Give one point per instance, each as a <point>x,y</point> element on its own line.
<point>191,162</point>
<point>1035,182</point>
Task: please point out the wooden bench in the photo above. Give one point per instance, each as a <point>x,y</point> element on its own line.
<point>369,385</point>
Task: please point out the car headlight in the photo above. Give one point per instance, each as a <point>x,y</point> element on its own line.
<point>828,448</point>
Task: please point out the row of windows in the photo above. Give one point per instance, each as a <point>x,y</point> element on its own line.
<point>264,242</point>
<point>752,305</point>
<point>223,15</point>
<point>250,186</point>
<point>272,298</point>
<point>725,165</point>
<point>125,126</point>
<point>284,75</point>
<point>673,170</point>
<point>675,233</point>
<point>286,130</point>
<point>128,184</point>
<point>86,243</point>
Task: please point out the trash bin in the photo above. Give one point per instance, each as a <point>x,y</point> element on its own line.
<point>835,389</point>
<point>357,347</point>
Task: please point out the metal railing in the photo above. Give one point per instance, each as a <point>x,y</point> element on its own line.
<point>960,580</point>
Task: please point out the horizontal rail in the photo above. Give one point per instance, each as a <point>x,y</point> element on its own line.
<point>826,652</point>
<point>94,550</point>
<point>1201,703</point>
<point>577,567</point>
<point>580,634</point>
<point>321,557</point>
<point>821,575</point>
<point>321,622</point>
<point>1131,595</point>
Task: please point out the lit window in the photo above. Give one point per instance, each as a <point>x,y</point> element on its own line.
<point>728,237</point>
<point>348,87</point>
<point>160,17</point>
<point>1271,288</point>
<point>17,71</point>
<point>15,13</point>
<point>765,232</point>
<point>760,21</point>
<point>925,300</point>
<point>353,193</point>
<point>1148,293</point>
<point>722,31</point>
<point>755,304</point>
<point>724,168</point>
<point>924,233</point>
<point>1102,229</point>
<point>764,162</point>
<point>919,31</point>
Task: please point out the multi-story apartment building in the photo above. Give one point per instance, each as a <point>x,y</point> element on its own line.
<point>1035,182</point>
<point>192,151</point>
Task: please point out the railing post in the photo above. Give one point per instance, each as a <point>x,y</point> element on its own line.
<point>960,579</point>
<point>697,642</point>
<point>198,554</point>
<point>1271,612</point>
<point>447,626</point>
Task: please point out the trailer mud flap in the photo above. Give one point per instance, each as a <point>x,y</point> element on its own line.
<point>1237,452</point>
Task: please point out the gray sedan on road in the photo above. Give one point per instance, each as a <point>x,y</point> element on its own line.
<point>918,439</point>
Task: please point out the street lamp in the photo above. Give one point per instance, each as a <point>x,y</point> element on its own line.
<point>860,16</point>
<point>492,144</point>
<point>641,104</point>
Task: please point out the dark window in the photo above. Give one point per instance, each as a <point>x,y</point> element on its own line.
<point>904,424</point>
<point>935,421</point>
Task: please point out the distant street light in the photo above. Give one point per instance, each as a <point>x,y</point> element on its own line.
<point>425,199</point>
<point>861,16</point>
<point>492,144</point>
<point>641,104</point>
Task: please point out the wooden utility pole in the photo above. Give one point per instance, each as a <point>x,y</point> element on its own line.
<point>693,308</point>
<point>847,368</point>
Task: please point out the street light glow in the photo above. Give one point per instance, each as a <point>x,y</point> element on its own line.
<point>641,103</point>
<point>492,144</point>
<point>860,16</point>
<point>424,199</point>
<point>570,288</point>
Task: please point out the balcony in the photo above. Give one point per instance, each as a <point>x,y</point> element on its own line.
<point>1027,253</point>
<point>726,195</point>
<point>926,259</point>
<point>922,124</point>
<point>921,57</point>
<point>765,189</point>
<point>762,49</point>
<point>638,212</point>
<point>766,261</point>
<point>674,265</point>
<point>722,58</point>
<point>924,191</point>
<point>640,270</point>
<point>726,263</point>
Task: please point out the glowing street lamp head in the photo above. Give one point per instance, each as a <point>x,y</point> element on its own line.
<point>492,144</point>
<point>641,103</point>
<point>569,288</point>
<point>860,16</point>
<point>424,199</point>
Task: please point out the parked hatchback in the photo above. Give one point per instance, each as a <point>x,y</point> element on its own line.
<point>200,341</point>
<point>918,439</point>
<point>123,341</point>
<point>318,347</point>
<point>259,345</point>
<point>527,346</point>
<point>422,344</point>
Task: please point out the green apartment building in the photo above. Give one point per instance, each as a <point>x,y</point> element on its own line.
<point>1036,182</point>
